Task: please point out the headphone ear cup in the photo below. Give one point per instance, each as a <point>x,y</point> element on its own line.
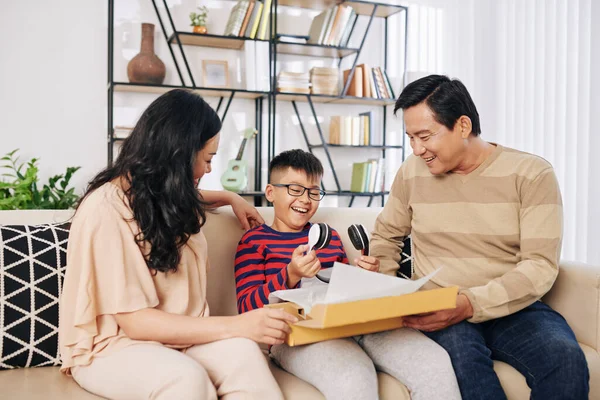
<point>327,237</point>
<point>365,238</point>
<point>355,237</point>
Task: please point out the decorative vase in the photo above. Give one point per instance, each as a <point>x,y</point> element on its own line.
<point>146,67</point>
<point>200,29</point>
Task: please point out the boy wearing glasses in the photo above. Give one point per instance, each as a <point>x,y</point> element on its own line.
<point>271,258</point>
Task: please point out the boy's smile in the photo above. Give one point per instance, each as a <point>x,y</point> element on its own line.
<point>292,213</point>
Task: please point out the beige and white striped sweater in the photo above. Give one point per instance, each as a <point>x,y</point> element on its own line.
<point>496,232</point>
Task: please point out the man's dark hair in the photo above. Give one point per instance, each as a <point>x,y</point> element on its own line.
<point>448,99</point>
<point>299,160</point>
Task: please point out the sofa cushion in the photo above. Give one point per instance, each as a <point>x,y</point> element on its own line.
<point>32,267</point>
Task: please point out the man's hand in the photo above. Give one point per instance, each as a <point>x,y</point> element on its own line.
<point>367,262</point>
<point>435,321</point>
<point>302,266</point>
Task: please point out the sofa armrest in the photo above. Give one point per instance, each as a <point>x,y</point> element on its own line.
<point>576,296</point>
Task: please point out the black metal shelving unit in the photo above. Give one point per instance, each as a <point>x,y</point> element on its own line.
<point>178,39</point>
<point>364,9</point>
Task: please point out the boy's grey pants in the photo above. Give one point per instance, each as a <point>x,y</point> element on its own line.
<point>345,368</point>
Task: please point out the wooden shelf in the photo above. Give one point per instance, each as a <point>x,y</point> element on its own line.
<point>205,92</point>
<point>361,7</point>
<point>206,40</point>
<point>317,98</point>
<point>361,194</point>
<point>371,146</point>
<point>314,50</point>
<point>329,193</point>
<point>252,194</point>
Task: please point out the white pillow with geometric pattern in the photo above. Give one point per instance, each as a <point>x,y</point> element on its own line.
<point>32,268</point>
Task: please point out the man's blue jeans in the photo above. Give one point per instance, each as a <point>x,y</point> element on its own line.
<point>536,341</point>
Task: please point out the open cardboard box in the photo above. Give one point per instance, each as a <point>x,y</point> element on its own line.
<point>338,320</point>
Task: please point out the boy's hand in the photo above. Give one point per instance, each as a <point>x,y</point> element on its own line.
<point>302,266</point>
<point>368,262</point>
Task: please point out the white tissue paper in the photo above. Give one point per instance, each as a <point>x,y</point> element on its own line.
<point>349,283</point>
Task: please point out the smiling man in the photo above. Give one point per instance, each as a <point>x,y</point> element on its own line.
<point>491,217</point>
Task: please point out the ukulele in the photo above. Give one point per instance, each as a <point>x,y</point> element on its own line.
<point>235,177</point>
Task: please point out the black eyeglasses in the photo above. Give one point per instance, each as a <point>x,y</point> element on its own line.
<point>298,190</point>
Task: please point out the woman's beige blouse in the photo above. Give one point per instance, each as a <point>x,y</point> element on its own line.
<point>106,274</point>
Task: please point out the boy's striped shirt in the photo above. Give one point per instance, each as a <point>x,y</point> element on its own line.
<point>261,262</point>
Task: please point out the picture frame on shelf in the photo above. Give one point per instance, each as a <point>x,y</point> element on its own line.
<point>215,73</point>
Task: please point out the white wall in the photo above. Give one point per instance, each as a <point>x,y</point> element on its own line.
<point>53,80</point>
<point>52,83</point>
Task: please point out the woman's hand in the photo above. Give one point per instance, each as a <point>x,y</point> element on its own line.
<point>367,262</point>
<point>247,214</point>
<point>266,325</point>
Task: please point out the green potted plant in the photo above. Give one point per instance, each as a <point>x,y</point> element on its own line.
<point>199,20</point>
<point>19,186</point>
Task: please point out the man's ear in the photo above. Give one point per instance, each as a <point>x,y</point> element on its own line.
<point>269,192</point>
<point>464,126</point>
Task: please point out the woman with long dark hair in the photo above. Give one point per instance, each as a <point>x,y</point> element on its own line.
<point>134,322</point>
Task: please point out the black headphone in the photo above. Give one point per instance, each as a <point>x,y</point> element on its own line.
<point>324,236</point>
<point>359,238</point>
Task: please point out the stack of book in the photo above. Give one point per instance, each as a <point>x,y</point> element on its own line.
<point>351,130</point>
<point>249,18</point>
<point>325,81</point>
<point>333,26</point>
<point>293,82</point>
<point>368,176</point>
<point>369,82</point>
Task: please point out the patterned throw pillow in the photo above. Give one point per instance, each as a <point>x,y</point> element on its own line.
<point>406,260</point>
<point>32,268</point>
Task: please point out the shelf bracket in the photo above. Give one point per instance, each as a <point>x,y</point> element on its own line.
<point>335,177</point>
<point>162,27</point>
<point>176,36</point>
<point>308,145</point>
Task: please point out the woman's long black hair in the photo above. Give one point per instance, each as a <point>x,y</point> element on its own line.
<point>157,161</point>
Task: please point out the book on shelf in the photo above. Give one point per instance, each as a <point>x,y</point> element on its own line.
<point>367,127</point>
<point>249,18</point>
<point>351,130</point>
<point>293,82</point>
<point>248,14</point>
<point>332,27</point>
<point>368,176</point>
<point>286,38</point>
<point>356,84</point>
<point>325,81</point>
<point>236,18</point>
<point>264,20</point>
<point>252,27</point>
<point>369,82</point>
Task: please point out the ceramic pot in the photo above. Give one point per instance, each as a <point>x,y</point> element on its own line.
<point>200,29</point>
<point>146,67</point>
